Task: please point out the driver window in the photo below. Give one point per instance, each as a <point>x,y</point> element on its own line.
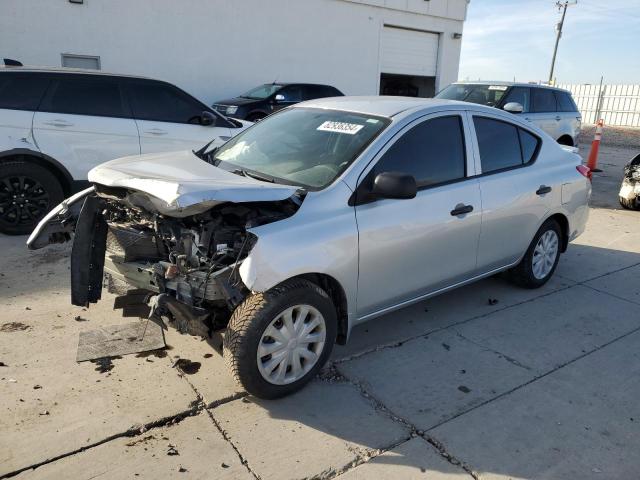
<point>519,95</point>
<point>433,152</point>
<point>163,103</point>
<point>292,93</point>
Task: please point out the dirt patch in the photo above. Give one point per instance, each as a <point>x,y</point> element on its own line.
<point>614,136</point>
<point>13,327</point>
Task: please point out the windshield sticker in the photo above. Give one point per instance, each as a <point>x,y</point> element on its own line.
<point>498,87</point>
<point>340,127</point>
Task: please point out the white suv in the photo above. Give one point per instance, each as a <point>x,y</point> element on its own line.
<point>57,124</point>
<point>551,109</point>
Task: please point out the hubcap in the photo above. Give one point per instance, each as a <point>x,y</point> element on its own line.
<point>291,345</point>
<point>545,253</point>
<point>23,200</point>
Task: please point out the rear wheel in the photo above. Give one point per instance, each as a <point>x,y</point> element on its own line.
<point>277,341</point>
<point>541,259</point>
<point>27,193</point>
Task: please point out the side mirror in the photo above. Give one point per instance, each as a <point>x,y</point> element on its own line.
<point>207,118</point>
<point>513,107</point>
<point>279,98</point>
<point>394,185</point>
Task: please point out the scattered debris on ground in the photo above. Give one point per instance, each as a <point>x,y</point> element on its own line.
<point>104,364</point>
<point>186,366</point>
<point>14,327</point>
<point>172,450</point>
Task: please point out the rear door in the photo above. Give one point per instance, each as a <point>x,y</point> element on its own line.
<point>515,195</point>
<point>543,111</point>
<point>168,119</point>
<point>84,121</point>
<point>411,247</point>
<point>570,118</point>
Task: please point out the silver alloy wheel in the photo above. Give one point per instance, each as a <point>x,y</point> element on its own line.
<point>291,345</point>
<point>545,253</point>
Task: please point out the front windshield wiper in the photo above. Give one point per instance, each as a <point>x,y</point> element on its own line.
<point>257,176</point>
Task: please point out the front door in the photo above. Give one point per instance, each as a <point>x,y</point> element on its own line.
<point>412,247</point>
<point>168,119</point>
<point>83,121</point>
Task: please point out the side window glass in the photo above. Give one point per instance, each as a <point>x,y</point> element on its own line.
<point>292,93</point>
<point>528,144</point>
<point>21,92</point>
<point>519,95</point>
<point>565,104</point>
<point>85,96</point>
<point>498,143</point>
<point>433,152</point>
<point>163,103</point>
<point>543,100</point>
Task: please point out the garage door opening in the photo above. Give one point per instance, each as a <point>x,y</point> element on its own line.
<point>407,85</point>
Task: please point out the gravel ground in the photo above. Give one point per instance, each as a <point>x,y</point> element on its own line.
<point>628,137</point>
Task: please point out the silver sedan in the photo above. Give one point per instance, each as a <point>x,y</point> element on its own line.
<point>322,216</point>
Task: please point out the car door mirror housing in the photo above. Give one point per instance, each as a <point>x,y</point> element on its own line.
<point>278,98</point>
<point>394,185</point>
<point>207,118</point>
<point>513,107</point>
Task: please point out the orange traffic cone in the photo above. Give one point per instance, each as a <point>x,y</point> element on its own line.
<point>595,146</point>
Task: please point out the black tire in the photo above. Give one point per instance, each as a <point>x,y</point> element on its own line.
<point>522,274</point>
<point>249,322</point>
<point>37,191</point>
<point>255,117</point>
<point>632,204</point>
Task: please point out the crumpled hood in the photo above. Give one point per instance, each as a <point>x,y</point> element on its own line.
<point>180,184</point>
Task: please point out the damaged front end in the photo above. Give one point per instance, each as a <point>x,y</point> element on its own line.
<point>184,269</point>
<point>629,194</point>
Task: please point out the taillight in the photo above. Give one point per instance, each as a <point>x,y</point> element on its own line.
<point>585,171</point>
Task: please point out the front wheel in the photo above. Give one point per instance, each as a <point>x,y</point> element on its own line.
<point>541,259</point>
<point>277,341</point>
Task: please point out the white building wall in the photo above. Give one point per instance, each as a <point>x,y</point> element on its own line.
<point>220,48</point>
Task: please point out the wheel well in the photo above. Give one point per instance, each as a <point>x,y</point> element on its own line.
<point>566,140</point>
<point>564,226</point>
<point>61,177</point>
<point>338,297</point>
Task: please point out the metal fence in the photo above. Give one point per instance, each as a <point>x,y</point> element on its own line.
<point>618,105</point>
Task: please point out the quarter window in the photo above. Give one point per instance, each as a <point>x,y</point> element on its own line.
<point>21,92</point>
<point>565,103</point>
<point>85,96</point>
<point>163,103</point>
<point>433,152</point>
<point>543,100</point>
<point>502,145</point>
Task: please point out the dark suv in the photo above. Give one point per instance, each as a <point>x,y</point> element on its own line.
<point>261,101</point>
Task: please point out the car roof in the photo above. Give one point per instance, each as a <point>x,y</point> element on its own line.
<point>75,71</point>
<point>381,106</point>
<point>508,84</point>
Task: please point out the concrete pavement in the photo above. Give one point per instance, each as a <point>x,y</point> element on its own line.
<point>540,384</point>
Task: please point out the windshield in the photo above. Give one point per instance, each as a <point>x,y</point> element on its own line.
<point>262,92</point>
<point>301,146</point>
<point>483,94</point>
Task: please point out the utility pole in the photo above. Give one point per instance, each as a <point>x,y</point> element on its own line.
<point>562,6</point>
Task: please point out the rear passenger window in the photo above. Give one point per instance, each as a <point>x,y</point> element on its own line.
<point>543,100</point>
<point>85,96</point>
<point>21,92</point>
<point>502,145</point>
<point>163,103</point>
<point>565,103</point>
<point>433,152</point>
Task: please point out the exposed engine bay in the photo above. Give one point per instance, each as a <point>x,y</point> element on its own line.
<point>184,269</point>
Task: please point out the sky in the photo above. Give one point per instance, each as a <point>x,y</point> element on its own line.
<point>504,39</point>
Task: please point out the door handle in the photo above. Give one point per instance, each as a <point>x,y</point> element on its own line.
<point>156,131</point>
<point>527,119</point>
<point>59,123</point>
<point>558,118</point>
<point>461,209</point>
<point>543,189</point>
